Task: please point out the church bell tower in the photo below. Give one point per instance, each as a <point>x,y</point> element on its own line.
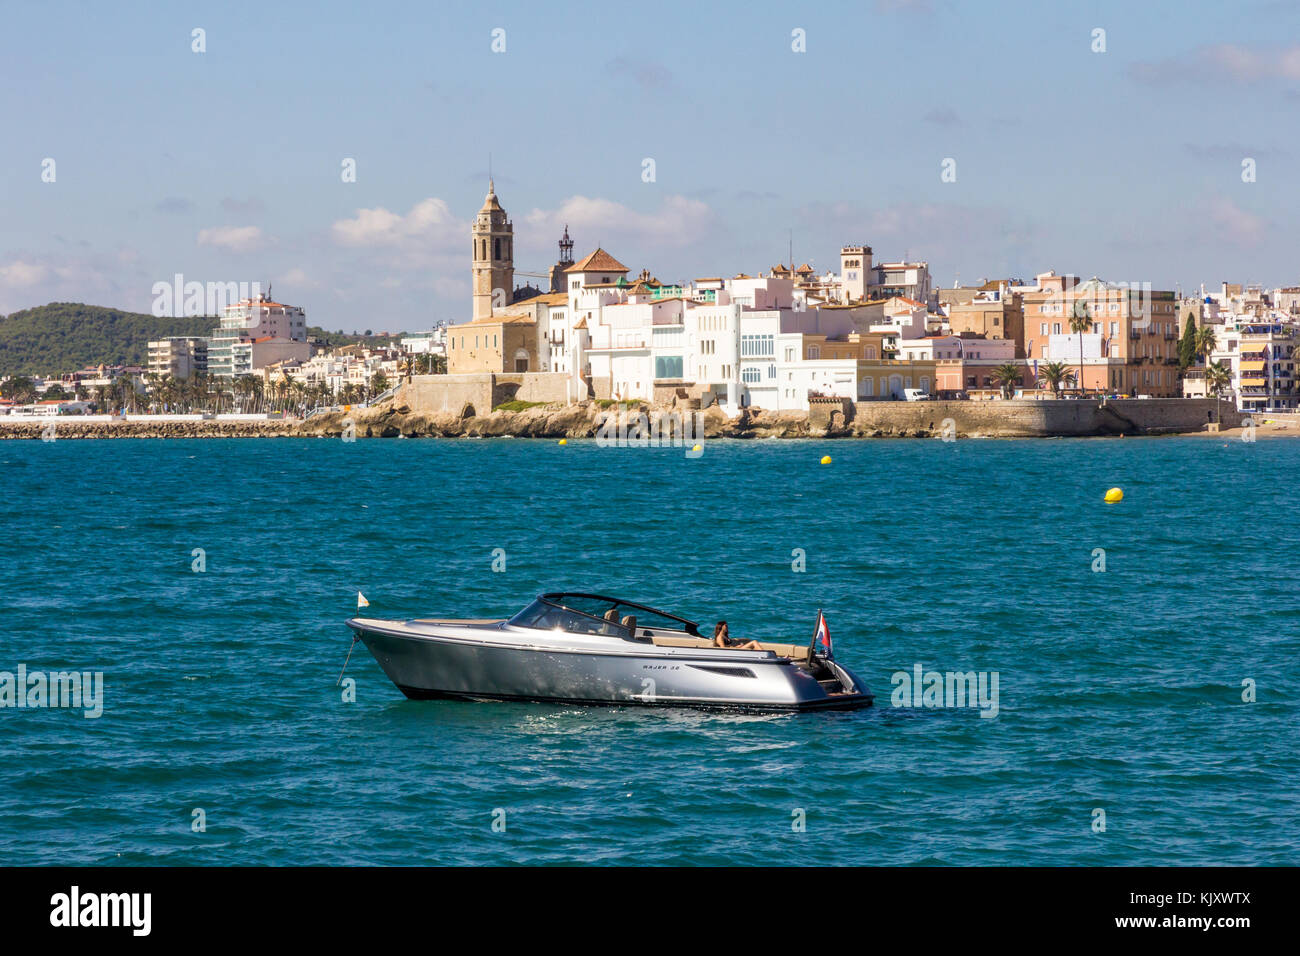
<point>494,256</point>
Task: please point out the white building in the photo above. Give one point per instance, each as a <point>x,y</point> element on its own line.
<point>254,333</point>
<point>433,342</point>
<point>178,356</point>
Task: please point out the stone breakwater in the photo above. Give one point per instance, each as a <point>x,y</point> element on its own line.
<point>68,426</point>
<point>1010,419</point>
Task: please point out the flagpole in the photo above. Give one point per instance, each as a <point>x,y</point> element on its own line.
<point>817,629</point>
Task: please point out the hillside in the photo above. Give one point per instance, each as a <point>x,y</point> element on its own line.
<point>64,336</point>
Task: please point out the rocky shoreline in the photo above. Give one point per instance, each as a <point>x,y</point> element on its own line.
<point>588,419</point>
<point>581,420</point>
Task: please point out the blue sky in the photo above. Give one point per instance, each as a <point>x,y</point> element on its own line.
<point>225,165</point>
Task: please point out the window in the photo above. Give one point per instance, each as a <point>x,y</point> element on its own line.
<point>668,366</point>
<point>814,352</point>
<point>1056,328</point>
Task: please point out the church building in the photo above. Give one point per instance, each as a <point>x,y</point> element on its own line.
<point>513,329</point>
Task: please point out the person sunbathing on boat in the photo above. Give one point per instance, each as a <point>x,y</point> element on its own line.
<point>722,638</point>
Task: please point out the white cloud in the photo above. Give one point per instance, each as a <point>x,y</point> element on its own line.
<point>1239,225</point>
<point>233,238</point>
<point>20,274</point>
<point>429,219</point>
<point>677,222</point>
<point>297,279</point>
<point>112,277</point>
<point>1223,61</point>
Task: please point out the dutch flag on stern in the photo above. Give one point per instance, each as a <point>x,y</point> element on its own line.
<point>823,637</point>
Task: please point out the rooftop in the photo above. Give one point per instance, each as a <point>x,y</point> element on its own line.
<point>598,261</point>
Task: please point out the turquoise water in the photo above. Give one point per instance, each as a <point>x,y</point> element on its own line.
<point>1119,691</point>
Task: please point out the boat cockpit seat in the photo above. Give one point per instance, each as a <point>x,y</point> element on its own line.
<point>796,652</point>
<point>629,622</point>
<point>612,615</point>
<point>666,641</point>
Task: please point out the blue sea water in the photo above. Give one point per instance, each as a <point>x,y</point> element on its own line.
<point>1120,690</point>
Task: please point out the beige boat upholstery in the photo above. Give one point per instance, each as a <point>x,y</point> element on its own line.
<point>629,622</point>
<point>795,652</point>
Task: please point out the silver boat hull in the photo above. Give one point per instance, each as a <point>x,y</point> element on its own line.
<point>493,661</point>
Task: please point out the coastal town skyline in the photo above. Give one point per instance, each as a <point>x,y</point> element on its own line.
<point>1047,180</point>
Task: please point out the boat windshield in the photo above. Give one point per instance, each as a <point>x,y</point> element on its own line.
<point>596,614</point>
<point>545,616</point>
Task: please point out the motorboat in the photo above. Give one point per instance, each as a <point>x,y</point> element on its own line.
<point>579,648</point>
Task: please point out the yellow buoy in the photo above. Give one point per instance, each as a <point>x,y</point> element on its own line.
<point>563,441</point>
<point>826,459</point>
<point>697,448</point>
<point>1114,495</point>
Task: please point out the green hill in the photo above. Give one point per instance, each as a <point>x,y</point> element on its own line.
<point>65,336</point>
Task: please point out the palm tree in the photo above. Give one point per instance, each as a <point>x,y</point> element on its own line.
<point>1217,378</point>
<point>1080,322</point>
<point>1055,374</point>
<point>1204,343</point>
<point>1006,377</point>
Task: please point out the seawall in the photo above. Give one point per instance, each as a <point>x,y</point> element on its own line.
<point>1026,418</point>
<point>828,418</point>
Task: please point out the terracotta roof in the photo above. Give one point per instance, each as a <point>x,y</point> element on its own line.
<point>598,261</point>
<point>581,323</point>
